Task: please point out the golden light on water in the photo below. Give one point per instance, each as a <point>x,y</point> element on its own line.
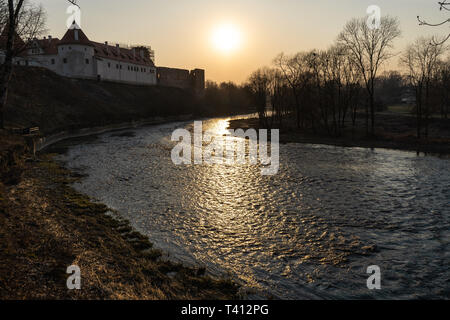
<point>227,38</point>
<point>221,127</point>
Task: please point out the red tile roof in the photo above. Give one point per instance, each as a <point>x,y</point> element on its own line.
<point>49,46</point>
<point>101,50</point>
<point>106,51</point>
<point>123,55</point>
<point>19,44</point>
<point>69,38</point>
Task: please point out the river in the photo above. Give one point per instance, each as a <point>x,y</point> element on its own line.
<point>309,232</point>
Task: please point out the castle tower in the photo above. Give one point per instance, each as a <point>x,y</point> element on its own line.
<point>76,54</point>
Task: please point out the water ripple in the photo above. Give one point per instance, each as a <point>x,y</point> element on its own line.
<point>309,232</point>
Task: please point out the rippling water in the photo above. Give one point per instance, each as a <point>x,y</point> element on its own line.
<point>309,232</point>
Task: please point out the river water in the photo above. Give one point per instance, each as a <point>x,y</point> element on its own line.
<point>309,232</point>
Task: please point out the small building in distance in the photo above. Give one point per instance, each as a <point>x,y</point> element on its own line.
<point>408,96</point>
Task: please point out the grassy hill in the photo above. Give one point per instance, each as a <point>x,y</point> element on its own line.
<point>39,97</point>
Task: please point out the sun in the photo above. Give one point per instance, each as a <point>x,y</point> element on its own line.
<point>226,38</point>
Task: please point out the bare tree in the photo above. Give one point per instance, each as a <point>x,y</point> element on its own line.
<point>295,71</point>
<point>443,84</point>
<point>277,97</point>
<point>352,88</point>
<point>330,74</point>
<point>321,87</point>
<point>3,13</point>
<point>369,48</point>
<point>443,6</point>
<point>20,21</point>
<point>421,60</point>
<point>333,88</point>
<point>260,84</point>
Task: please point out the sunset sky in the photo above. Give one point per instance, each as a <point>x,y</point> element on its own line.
<point>196,33</point>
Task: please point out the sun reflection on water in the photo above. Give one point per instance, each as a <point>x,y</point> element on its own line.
<point>306,232</point>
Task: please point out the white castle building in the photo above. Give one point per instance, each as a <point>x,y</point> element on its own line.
<point>76,56</point>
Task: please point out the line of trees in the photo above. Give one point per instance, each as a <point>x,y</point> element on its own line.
<point>430,78</point>
<point>323,90</point>
<point>227,98</point>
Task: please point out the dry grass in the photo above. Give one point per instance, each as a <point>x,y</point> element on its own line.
<point>46,226</point>
<point>39,97</point>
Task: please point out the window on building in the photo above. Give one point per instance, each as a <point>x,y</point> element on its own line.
<point>117,66</point>
<point>87,61</point>
<point>65,60</point>
<point>53,61</point>
<point>109,65</point>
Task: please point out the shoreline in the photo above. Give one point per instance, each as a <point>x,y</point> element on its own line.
<point>42,143</point>
<point>46,226</point>
<point>290,135</point>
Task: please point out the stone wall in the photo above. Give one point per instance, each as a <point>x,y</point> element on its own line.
<point>180,78</point>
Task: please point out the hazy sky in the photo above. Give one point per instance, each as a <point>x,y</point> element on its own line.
<point>180,31</point>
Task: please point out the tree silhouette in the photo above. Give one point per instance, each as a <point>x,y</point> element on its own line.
<point>369,49</point>
<point>443,6</point>
<point>20,21</point>
<point>74,2</point>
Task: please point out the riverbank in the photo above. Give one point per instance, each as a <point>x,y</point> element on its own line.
<point>394,131</point>
<point>46,226</point>
<point>41,98</point>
